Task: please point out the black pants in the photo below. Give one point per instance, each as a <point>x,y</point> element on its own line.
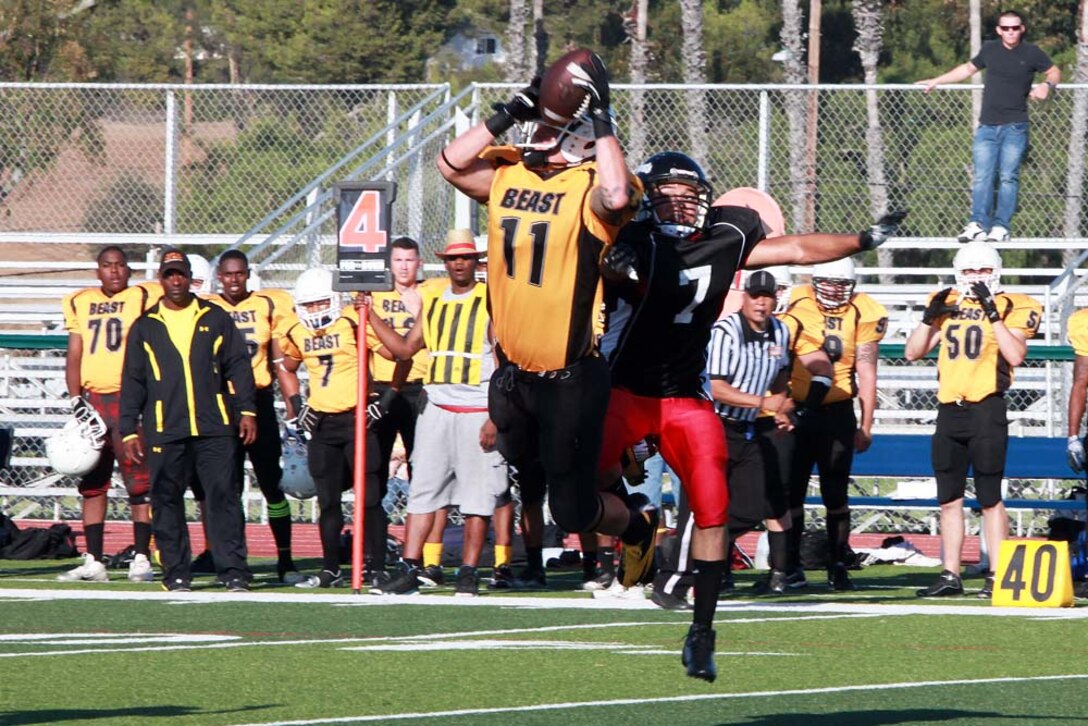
<point>826,440</point>
<point>331,459</point>
<point>173,468</point>
<point>756,474</point>
<point>401,418</point>
<point>264,453</point>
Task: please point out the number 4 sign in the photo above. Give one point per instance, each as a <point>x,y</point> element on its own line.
<point>1033,574</point>
<point>364,223</point>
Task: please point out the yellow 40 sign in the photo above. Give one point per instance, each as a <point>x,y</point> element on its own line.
<point>1033,574</point>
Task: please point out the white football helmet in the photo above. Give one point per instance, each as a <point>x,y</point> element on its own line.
<point>202,275</point>
<point>977,255</point>
<point>833,283</point>
<point>315,286</point>
<point>296,479</point>
<point>574,139</point>
<point>77,447</point>
<point>783,284</point>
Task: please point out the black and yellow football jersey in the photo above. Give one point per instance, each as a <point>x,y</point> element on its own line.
<point>544,245</point>
<point>840,332</point>
<point>970,366</point>
<point>331,359</point>
<point>103,322</point>
<point>256,318</point>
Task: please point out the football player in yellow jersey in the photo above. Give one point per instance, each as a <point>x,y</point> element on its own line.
<point>554,206</point>
<point>98,320</point>
<point>851,326</point>
<point>983,335</point>
<point>323,338</point>
<point>256,316</point>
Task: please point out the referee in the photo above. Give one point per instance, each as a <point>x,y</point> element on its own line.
<point>748,363</point>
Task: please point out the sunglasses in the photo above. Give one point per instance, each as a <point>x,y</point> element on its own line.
<point>450,258</point>
<point>1010,28</point>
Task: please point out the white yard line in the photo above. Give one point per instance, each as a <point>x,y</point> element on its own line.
<point>671,699</point>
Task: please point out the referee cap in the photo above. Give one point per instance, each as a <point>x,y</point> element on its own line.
<point>761,282</point>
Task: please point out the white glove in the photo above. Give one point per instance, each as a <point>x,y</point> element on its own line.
<point>1075,450</point>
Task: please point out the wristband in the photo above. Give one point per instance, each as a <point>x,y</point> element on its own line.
<point>602,124</point>
<point>498,123</point>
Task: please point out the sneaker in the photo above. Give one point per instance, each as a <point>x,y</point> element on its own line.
<point>90,571</point>
<point>602,581</point>
<point>619,592</point>
<point>971,232</point>
<point>237,584</point>
<point>638,557</point>
<point>987,591</point>
<point>530,579</point>
<point>432,576</point>
<point>1080,590</point>
<point>203,564</point>
<point>947,585</point>
<point>698,653</point>
<point>773,584</point>
<point>502,578</point>
<point>669,600</point>
<point>838,579</point>
<point>374,579</point>
<point>177,585</point>
<point>139,570</point>
<point>998,234</point>
<point>404,581</point>
<point>325,579</point>
<point>795,579</point>
<point>287,572</point>
<point>468,582</point>
<point>728,583</point>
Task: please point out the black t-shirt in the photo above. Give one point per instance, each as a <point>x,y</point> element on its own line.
<point>660,346</point>
<point>1008,80</point>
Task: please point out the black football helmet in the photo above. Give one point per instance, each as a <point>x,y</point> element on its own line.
<point>680,215</point>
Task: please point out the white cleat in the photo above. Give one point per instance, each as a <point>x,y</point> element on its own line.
<point>90,571</point>
<point>140,570</point>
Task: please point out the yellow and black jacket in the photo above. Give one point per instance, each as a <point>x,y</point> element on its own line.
<point>194,382</point>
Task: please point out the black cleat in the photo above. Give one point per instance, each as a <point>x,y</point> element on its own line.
<point>501,579</point>
<point>669,600</point>
<point>838,579</point>
<point>531,579</point>
<point>795,579</point>
<point>325,579</point>
<point>203,564</point>
<point>774,584</point>
<point>987,591</point>
<point>698,653</point>
<point>177,585</point>
<point>468,582</point>
<point>404,581</point>
<point>237,584</point>
<point>432,576</point>
<point>948,584</point>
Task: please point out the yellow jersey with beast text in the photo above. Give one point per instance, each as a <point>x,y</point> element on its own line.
<point>840,332</point>
<point>970,366</point>
<point>102,321</point>
<point>390,307</point>
<point>256,318</point>
<point>331,359</point>
<point>544,246</point>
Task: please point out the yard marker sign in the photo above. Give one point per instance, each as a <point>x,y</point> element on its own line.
<point>1033,574</point>
<point>364,223</point>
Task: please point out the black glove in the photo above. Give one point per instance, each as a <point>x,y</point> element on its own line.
<point>986,300</point>
<point>306,421</point>
<point>804,416</point>
<point>619,264</point>
<point>522,107</point>
<point>80,408</point>
<point>379,406</point>
<point>885,228</point>
<point>938,307</point>
<point>600,107</point>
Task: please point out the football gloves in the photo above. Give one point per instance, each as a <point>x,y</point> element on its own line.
<point>938,307</point>
<point>986,300</point>
<point>595,82</point>
<point>379,406</point>
<point>1075,451</point>
<point>619,264</point>
<point>522,107</point>
<point>885,228</point>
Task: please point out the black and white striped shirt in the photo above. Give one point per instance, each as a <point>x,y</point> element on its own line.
<point>747,359</point>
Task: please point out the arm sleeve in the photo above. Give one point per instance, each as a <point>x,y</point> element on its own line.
<point>133,383</point>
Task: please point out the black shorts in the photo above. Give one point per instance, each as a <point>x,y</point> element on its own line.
<point>974,435</point>
<point>825,440</point>
<point>757,483</point>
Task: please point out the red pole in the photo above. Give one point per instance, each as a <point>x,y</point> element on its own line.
<point>362,389</point>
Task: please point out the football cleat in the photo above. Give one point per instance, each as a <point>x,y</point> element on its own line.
<point>948,584</point>
<point>140,570</point>
<point>90,571</point>
<point>326,579</point>
<point>468,582</point>
<point>698,654</point>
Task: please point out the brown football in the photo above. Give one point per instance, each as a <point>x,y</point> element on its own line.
<point>560,99</point>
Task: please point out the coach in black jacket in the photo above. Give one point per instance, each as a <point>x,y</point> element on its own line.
<point>187,374</point>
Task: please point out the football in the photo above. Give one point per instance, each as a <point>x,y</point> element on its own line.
<point>560,99</point>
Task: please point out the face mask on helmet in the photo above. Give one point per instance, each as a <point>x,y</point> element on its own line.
<point>202,275</point>
<point>677,195</point>
<point>76,448</point>
<point>296,479</point>
<point>315,299</point>
<point>977,261</point>
<point>574,140</point>
<point>833,283</point>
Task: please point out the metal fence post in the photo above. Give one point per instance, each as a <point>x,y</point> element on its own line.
<point>169,192</point>
<point>763,162</point>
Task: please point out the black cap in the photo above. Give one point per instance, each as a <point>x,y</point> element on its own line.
<point>761,282</point>
<point>175,259</point>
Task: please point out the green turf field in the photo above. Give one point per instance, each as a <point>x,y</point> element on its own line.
<point>124,653</point>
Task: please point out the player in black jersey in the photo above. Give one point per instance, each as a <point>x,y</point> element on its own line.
<point>671,270</point>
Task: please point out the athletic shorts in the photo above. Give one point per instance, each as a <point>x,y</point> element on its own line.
<point>975,436</point>
<point>136,477</point>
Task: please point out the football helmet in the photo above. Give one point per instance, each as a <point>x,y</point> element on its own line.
<point>314,289</point>
<point>783,284</point>
<point>76,448</point>
<point>574,139</point>
<point>296,479</point>
<point>677,215</point>
<point>833,283</point>
<point>977,255</point>
<point>202,275</point>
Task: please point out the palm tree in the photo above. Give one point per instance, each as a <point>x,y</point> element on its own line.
<point>693,60</point>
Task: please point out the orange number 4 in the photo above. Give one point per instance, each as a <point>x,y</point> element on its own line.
<point>362,228</point>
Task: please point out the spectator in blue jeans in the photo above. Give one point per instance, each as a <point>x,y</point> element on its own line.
<point>1002,135</point>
